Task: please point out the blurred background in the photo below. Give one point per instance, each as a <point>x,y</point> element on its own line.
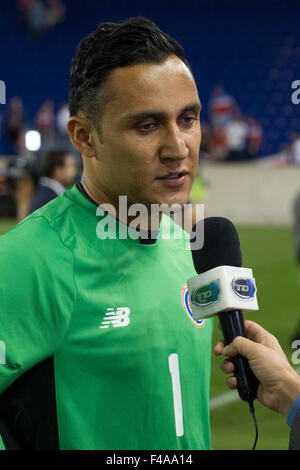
<point>245,56</point>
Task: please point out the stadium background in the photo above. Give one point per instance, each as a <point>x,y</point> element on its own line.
<point>252,50</point>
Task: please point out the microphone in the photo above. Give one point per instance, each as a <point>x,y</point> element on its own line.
<point>224,288</point>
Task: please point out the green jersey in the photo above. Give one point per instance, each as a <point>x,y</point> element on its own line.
<point>98,349</point>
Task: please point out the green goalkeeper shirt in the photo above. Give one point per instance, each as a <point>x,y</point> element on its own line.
<point>98,349</point>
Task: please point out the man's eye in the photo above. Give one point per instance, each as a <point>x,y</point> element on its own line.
<point>188,120</point>
<point>146,126</point>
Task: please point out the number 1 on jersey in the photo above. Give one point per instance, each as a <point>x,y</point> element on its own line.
<point>174,370</point>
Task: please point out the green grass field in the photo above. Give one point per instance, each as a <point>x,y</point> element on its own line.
<point>270,253</point>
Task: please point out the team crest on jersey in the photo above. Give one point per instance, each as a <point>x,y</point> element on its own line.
<point>187,307</point>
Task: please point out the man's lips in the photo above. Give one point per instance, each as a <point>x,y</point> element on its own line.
<point>173,175</point>
<point>173,178</point>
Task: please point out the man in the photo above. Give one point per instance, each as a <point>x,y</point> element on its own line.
<point>58,171</point>
<point>98,348</point>
<point>279,384</point>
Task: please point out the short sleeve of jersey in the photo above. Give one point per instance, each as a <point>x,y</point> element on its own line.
<point>37,295</point>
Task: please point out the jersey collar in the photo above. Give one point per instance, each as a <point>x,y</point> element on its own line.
<point>78,194</point>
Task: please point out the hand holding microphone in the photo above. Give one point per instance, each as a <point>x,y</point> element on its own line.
<point>260,367</point>
<point>223,288</point>
<point>279,384</point>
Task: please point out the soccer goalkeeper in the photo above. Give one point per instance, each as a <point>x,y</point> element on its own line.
<point>97,347</point>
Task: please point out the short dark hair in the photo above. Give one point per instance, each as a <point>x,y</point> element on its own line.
<point>50,160</point>
<point>134,41</point>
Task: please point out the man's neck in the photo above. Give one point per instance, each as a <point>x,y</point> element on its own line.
<point>113,207</point>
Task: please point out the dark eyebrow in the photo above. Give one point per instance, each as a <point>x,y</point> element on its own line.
<point>196,107</point>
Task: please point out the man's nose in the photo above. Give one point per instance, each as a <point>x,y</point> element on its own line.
<point>173,145</point>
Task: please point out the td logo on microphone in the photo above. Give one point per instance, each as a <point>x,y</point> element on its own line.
<point>221,289</point>
<point>243,288</point>
<point>205,295</point>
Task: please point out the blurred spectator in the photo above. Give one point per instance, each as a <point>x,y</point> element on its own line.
<point>55,12</point>
<point>218,144</point>
<point>284,156</point>
<point>295,149</point>
<point>254,138</point>
<point>236,138</point>
<point>220,108</point>
<point>62,137</point>
<point>58,170</point>
<point>45,123</point>
<point>205,141</point>
<point>33,15</point>
<point>14,123</point>
<point>62,118</point>
<point>45,117</point>
<point>38,16</point>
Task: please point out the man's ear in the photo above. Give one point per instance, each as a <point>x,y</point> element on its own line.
<point>80,132</point>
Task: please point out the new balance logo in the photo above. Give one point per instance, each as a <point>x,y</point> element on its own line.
<point>118,318</point>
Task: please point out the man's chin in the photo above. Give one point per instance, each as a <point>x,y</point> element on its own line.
<point>176,202</point>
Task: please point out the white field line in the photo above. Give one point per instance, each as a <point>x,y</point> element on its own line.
<point>229,397</point>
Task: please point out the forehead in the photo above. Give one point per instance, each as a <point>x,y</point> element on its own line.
<point>166,87</point>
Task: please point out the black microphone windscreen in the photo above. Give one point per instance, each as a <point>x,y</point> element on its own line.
<point>221,245</point>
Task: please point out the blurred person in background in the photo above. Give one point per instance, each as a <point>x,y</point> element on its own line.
<point>55,12</point>
<point>32,15</point>
<point>62,136</point>
<point>217,144</point>
<point>58,171</point>
<point>295,149</point>
<point>13,125</point>
<point>205,142</point>
<point>236,138</point>
<point>254,137</point>
<point>45,123</point>
<point>37,15</point>
<point>62,118</point>
<point>45,117</point>
<point>220,108</point>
